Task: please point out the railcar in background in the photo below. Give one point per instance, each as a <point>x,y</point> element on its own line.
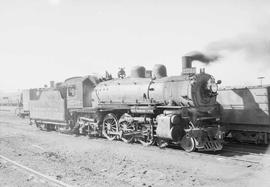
<point>10,99</point>
<point>245,113</point>
<point>25,97</point>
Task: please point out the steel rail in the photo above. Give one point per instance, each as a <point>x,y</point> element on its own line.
<point>230,149</point>
<point>48,178</point>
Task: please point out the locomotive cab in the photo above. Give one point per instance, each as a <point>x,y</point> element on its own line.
<point>79,91</point>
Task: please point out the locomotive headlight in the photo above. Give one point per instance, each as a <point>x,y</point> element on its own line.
<point>214,87</point>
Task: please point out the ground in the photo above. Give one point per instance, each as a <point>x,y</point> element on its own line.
<point>80,161</point>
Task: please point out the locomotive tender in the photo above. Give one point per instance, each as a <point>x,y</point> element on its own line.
<point>179,110</point>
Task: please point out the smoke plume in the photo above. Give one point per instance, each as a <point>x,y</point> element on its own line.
<point>253,46</point>
<point>244,57</point>
<point>203,57</point>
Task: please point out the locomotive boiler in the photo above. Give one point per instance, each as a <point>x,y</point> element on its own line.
<point>164,109</point>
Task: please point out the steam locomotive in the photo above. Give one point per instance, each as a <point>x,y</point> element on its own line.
<point>161,109</point>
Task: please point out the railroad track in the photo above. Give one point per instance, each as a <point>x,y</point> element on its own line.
<point>246,152</point>
<point>47,178</point>
<point>247,149</point>
<point>232,151</point>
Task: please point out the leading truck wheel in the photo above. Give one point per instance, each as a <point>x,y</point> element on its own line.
<point>148,136</point>
<point>188,143</point>
<point>110,126</point>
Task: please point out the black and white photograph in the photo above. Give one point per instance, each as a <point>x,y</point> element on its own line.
<point>134,93</point>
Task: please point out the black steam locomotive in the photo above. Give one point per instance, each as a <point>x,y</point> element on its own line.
<point>161,109</point>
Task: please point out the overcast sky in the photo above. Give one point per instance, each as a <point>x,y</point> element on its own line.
<point>43,40</point>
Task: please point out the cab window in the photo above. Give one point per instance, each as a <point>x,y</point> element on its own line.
<point>71,91</point>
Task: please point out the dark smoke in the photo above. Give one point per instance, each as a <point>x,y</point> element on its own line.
<point>203,57</point>
<point>252,46</point>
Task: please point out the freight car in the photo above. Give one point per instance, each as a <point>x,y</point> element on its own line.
<point>245,113</point>
<point>9,99</point>
<point>25,97</point>
<point>179,110</point>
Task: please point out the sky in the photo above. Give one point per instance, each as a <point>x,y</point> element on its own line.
<point>44,40</point>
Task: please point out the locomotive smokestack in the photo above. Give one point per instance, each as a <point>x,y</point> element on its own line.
<point>187,65</point>
<point>195,55</point>
<point>186,62</point>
